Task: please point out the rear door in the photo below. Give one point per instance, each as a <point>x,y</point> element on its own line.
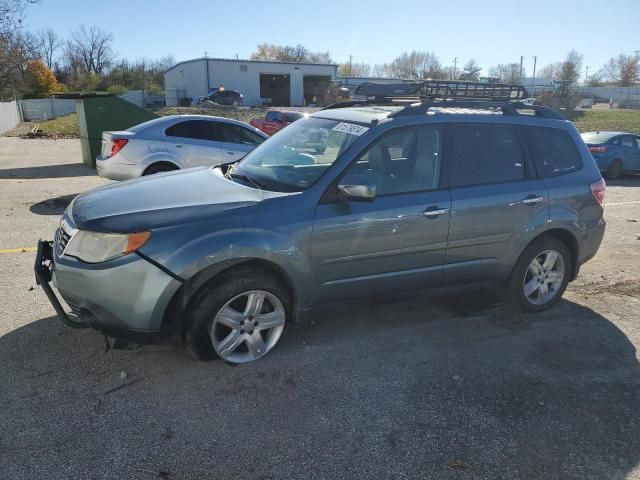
<point>236,141</point>
<point>194,143</point>
<point>495,196</point>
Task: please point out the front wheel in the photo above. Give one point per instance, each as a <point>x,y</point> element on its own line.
<point>239,318</point>
<point>540,275</point>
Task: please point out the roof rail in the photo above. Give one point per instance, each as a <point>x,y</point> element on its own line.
<point>443,89</point>
<point>507,108</point>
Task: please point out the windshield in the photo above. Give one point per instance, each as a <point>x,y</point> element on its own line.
<point>294,158</point>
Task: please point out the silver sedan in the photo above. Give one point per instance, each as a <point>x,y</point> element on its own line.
<point>175,142</point>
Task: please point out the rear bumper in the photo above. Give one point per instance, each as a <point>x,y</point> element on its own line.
<point>125,298</point>
<point>112,169</point>
<point>590,243</point>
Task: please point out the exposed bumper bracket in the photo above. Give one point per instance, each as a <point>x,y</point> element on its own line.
<point>43,271</point>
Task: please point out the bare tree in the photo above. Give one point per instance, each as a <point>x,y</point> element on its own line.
<point>50,44</point>
<point>11,16</point>
<point>415,65</point>
<point>285,53</point>
<point>623,70</point>
<point>354,69</point>
<point>471,70</point>
<point>551,70</point>
<point>90,49</point>
<point>571,67</point>
<point>378,70</point>
<point>507,73</point>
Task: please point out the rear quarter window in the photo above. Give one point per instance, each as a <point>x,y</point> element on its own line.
<point>554,151</point>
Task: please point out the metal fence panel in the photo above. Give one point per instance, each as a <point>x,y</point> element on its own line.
<point>9,116</point>
<point>47,108</point>
<point>134,96</point>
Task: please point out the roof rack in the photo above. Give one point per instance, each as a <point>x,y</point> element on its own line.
<point>418,97</point>
<point>443,89</point>
<point>507,108</point>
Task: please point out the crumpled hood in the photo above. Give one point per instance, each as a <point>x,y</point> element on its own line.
<point>161,200</point>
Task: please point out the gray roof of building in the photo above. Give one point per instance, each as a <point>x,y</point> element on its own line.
<point>248,61</point>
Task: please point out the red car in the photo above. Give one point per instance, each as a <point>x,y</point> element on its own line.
<point>275,120</point>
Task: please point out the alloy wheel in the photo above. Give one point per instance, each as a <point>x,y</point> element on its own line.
<point>248,326</point>
<point>544,277</point>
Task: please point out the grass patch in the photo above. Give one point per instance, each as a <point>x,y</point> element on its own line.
<point>603,120</point>
<point>61,127</point>
<point>585,120</point>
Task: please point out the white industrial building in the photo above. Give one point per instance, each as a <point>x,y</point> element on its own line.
<point>274,83</point>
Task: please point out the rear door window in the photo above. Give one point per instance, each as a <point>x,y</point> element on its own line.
<point>482,154</point>
<point>553,151</point>
<point>199,129</point>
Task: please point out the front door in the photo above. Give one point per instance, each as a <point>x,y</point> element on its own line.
<point>395,242</point>
<point>494,196</point>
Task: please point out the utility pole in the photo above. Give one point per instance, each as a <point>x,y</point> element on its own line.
<point>455,64</point>
<point>533,80</point>
<point>351,65</point>
<point>586,76</point>
<point>521,60</point>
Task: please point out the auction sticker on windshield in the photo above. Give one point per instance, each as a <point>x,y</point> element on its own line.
<point>350,128</point>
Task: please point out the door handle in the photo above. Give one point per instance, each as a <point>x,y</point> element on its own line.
<point>177,145</point>
<point>231,153</point>
<point>433,212</point>
<point>532,200</point>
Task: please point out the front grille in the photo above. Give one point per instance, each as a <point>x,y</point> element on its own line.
<point>62,238</point>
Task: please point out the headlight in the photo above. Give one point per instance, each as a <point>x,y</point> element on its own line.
<point>95,247</point>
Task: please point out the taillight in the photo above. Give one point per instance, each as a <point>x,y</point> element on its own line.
<point>598,149</point>
<point>597,189</point>
<point>117,144</point>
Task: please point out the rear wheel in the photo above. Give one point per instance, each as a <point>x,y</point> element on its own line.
<point>540,275</point>
<point>614,171</point>
<point>239,318</point>
<point>160,167</point>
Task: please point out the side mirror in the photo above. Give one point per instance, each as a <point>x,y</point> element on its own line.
<point>360,188</point>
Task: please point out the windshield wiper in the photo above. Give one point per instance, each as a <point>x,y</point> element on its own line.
<point>246,178</point>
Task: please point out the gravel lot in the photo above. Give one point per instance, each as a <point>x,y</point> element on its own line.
<point>443,385</point>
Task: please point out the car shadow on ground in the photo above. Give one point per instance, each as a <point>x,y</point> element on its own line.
<point>47,171</point>
<point>453,386</point>
<point>52,206</point>
<point>625,181</point>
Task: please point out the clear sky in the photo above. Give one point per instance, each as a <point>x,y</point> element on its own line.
<point>491,31</point>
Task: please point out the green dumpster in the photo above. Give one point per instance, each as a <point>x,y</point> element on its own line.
<point>101,112</point>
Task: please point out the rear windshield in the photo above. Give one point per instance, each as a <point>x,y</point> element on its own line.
<point>149,123</point>
<point>292,116</point>
<point>597,137</point>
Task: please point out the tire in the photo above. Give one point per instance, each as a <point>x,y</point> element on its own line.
<point>159,168</point>
<point>614,171</point>
<point>206,338</point>
<point>522,275</point>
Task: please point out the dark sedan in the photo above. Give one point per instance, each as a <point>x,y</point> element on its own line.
<point>224,97</point>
